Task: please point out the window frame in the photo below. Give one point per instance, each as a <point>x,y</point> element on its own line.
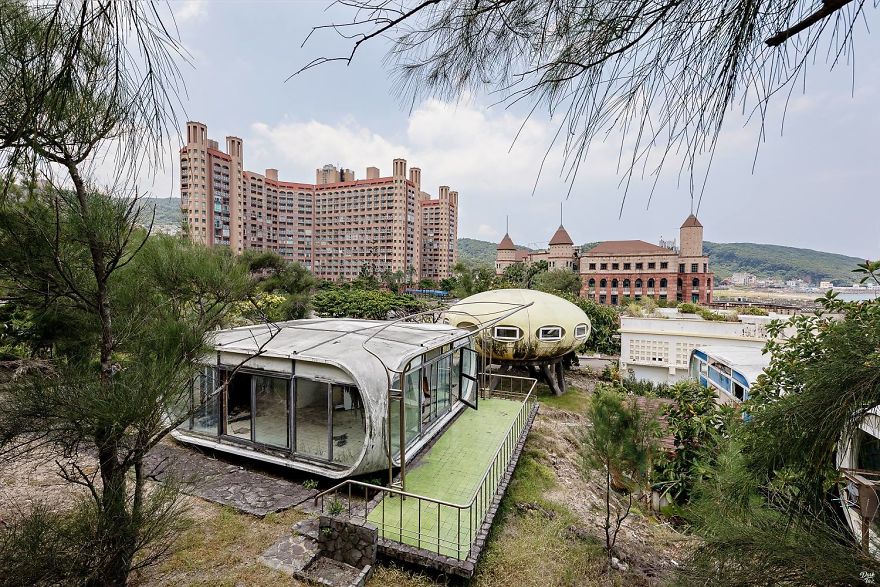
<point>586,331</point>
<point>502,338</point>
<point>543,338</point>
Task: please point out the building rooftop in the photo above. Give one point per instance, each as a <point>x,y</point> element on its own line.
<point>749,361</point>
<point>632,247</point>
<point>560,237</point>
<point>691,221</point>
<point>355,344</point>
<point>506,244</point>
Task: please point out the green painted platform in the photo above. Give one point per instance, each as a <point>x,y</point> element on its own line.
<point>450,471</point>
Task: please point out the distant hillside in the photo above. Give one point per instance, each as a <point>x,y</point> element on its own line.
<point>167,211</point>
<point>471,250</point>
<point>766,261</point>
<point>780,262</point>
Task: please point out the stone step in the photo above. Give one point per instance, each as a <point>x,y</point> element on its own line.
<point>291,554</point>
<point>333,573</point>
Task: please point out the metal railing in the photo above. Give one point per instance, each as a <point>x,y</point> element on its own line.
<point>426,522</point>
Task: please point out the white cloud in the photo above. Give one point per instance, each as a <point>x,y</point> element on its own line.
<point>486,231</point>
<point>188,10</point>
<point>469,148</point>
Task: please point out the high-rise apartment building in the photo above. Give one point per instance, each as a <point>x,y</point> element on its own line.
<point>334,227</point>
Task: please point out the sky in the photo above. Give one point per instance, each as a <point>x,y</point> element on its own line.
<point>815,185</point>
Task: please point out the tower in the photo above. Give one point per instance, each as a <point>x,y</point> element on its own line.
<point>691,238</point>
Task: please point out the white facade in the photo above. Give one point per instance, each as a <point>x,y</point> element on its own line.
<point>659,349</point>
<point>743,279</point>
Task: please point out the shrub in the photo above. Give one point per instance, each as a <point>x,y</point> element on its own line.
<point>699,425</point>
<point>688,308</point>
<point>753,311</point>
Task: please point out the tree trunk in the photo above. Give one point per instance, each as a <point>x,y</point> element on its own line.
<point>116,534</point>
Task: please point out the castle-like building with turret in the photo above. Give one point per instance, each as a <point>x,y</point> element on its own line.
<point>614,270</point>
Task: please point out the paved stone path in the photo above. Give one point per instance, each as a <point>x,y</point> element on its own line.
<point>291,554</point>
<point>225,483</point>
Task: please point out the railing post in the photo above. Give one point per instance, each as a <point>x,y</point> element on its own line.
<point>419,518</point>
<point>458,534</point>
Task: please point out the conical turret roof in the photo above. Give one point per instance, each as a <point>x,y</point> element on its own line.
<point>560,237</point>
<point>691,221</point>
<point>506,244</point>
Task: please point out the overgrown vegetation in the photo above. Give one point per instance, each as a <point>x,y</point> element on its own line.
<point>350,302</point>
<point>605,321</point>
<point>768,504</point>
<point>620,443</point>
<point>698,425</point>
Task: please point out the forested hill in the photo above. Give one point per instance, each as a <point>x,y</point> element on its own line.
<point>765,261</point>
<point>780,262</point>
<point>472,250</point>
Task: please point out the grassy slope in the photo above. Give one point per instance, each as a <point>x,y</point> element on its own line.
<point>762,260</point>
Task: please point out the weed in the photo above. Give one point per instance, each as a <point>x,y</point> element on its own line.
<point>335,507</point>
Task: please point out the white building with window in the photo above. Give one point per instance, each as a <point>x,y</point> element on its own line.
<point>659,349</point>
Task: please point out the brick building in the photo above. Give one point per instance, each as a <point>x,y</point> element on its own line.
<point>559,254</point>
<point>613,270</point>
<point>334,227</point>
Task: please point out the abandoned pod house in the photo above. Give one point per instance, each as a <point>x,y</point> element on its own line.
<point>324,395</point>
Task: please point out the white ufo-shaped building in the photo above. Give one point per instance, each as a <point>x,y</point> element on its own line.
<point>531,328</point>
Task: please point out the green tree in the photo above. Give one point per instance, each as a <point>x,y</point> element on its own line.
<point>605,321</point>
<point>779,470</point>
<point>81,82</point>
<point>288,279</point>
<point>161,298</point>
<point>620,443</point>
<point>699,426</point>
<point>393,280</point>
<point>472,279</point>
<point>558,281</point>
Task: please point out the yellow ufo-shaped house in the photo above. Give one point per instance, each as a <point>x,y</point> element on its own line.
<point>545,329</point>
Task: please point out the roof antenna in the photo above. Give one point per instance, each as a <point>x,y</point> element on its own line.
<point>560,213</point>
<point>692,204</point>
<point>507,225</point>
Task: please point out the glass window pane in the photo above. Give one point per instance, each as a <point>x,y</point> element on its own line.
<point>412,404</point>
<point>394,427</point>
<point>238,406</point>
<point>271,419</point>
<point>311,418</point>
<point>204,401</point>
<point>349,424</point>
<point>468,368</point>
<point>454,376</point>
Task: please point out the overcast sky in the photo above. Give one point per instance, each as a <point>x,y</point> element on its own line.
<point>814,186</point>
